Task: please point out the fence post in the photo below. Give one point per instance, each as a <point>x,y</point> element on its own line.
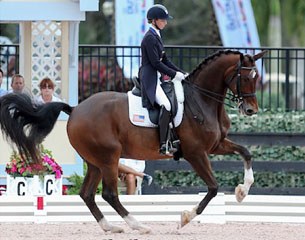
<point>40,213</point>
<point>287,85</point>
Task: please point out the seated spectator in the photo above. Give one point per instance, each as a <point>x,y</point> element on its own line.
<point>2,91</point>
<point>129,169</point>
<point>46,87</point>
<point>17,84</point>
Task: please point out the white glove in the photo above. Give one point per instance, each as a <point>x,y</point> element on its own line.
<point>179,76</point>
<point>186,74</point>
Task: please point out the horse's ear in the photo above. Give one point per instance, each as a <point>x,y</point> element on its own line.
<point>259,55</point>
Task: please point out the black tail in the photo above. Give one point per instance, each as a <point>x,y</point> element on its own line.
<point>26,124</point>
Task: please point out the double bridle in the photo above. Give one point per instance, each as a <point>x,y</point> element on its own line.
<point>239,96</point>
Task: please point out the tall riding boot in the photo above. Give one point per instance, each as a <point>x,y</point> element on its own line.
<point>164,119</point>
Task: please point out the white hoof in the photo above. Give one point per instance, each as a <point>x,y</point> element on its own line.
<point>107,227</point>
<point>185,218</point>
<point>116,229</point>
<point>241,192</point>
<point>135,225</point>
<point>144,229</point>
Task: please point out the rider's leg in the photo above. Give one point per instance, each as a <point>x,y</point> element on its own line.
<point>164,118</point>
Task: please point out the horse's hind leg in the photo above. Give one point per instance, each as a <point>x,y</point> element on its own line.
<point>229,147</point>
<point>87,193</point>
<point>110,194</point>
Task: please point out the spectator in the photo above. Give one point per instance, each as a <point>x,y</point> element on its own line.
<point>17,84</point>
<point>2,91</point>
<point>47,92</point>
<point>129,169</point>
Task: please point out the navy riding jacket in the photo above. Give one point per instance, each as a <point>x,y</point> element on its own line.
<point>153,59</point>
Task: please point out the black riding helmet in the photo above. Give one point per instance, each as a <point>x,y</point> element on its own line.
<point>158,11</point>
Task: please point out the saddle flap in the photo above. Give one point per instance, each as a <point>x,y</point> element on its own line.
<point>140,116</point>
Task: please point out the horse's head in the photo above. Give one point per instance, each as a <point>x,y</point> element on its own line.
<point>242,82</point>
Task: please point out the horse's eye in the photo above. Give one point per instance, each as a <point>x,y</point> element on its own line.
<point>252,74</point>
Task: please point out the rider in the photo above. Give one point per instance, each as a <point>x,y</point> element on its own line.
<point>155,66</point>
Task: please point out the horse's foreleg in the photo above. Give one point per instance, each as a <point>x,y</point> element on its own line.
<point>110,194</point>
<point>87,193</point>
<point>229,147</point>
<point>204,170</point>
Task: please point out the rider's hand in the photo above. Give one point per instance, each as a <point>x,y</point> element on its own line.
<point>179,76</point>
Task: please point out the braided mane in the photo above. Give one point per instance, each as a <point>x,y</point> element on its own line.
<point>213,56</point>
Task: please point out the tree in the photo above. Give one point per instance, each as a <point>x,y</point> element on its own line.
<point>194,23</point>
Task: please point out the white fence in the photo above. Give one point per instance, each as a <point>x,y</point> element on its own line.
<point>222,209</point>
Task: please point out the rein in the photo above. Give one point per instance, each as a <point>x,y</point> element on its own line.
<point>238,98</point>
<point>210,94</point>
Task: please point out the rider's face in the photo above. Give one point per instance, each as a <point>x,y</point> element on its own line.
<point>161,23</point>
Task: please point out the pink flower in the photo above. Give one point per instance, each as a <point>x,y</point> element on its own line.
<point>18,167</point>
<point>14,168</point>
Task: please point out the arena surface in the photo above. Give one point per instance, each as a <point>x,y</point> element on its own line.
<point>161,231</point>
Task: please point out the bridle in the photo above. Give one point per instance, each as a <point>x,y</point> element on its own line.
<point>237,97</point>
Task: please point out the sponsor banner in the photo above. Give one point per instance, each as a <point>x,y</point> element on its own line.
<point>237,25</point>
<point>130,27</point>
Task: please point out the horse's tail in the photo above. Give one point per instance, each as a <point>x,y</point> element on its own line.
<point>26,124</point>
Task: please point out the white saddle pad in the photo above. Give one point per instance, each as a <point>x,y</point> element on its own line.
<point>139,115</point>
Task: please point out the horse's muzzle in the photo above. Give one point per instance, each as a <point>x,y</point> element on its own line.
<point>248,109</point>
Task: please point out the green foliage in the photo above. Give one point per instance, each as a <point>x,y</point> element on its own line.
<point>231,179</point>
<point>269,121</point>
<point>77,182</point>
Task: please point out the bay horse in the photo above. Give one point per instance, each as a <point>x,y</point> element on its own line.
<point>100,131</point>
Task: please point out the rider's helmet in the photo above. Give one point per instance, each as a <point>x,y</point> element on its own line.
<point>158,11</point>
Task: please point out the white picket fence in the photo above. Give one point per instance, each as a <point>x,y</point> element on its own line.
<point>222,209</point>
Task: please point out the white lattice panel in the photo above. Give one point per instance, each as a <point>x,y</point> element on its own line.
<point>46,53</point>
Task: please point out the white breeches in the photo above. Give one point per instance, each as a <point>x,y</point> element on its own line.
<point>161,98</point>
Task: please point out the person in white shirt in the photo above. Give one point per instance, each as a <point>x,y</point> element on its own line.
<point>129,169</point>
<point>17,84</point>
<point>47,87</point>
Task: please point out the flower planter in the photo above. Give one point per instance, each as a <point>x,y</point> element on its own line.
<point>26,186</point>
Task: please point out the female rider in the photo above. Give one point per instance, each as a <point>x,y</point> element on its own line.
<point>154,67</point>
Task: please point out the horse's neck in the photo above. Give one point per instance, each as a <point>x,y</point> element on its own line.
<point>207,88</point>
<point>212,76</point>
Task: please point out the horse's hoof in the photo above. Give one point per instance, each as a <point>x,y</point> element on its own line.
<point>185,218</point>
<point>144,229</point>
<point>240,192</point>
<point>116,229</point>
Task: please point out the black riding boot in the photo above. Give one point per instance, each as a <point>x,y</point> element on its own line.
<point>164,119</point>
